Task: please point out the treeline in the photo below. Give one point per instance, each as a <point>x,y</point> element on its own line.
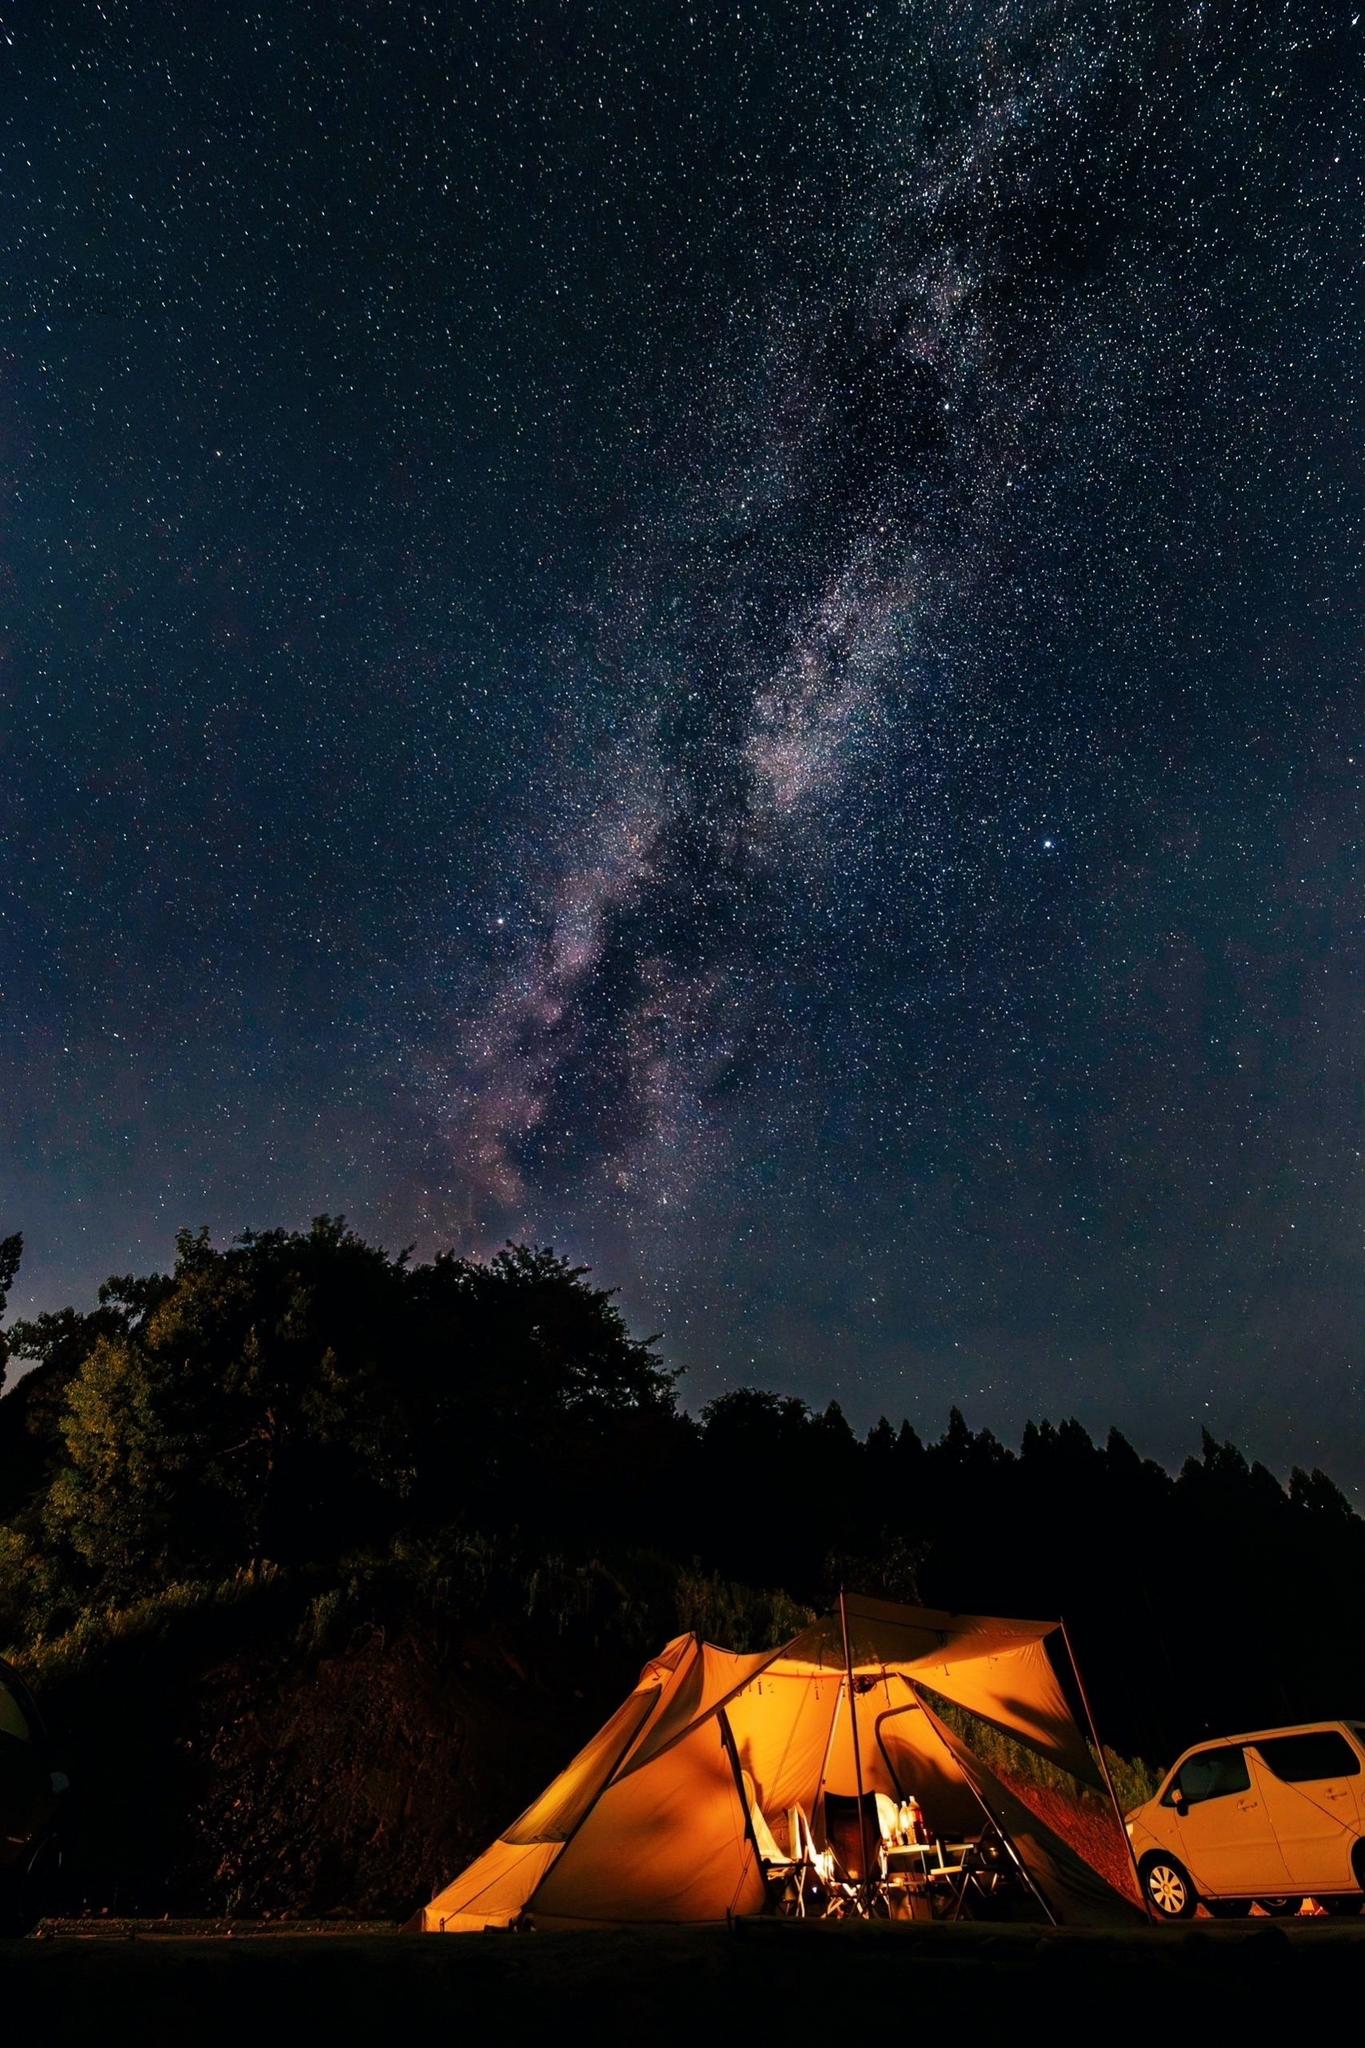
<point>307,1407</point>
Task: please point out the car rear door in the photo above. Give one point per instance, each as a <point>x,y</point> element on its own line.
<point>1356,1732</point>
<point>1309,1781</point>
<point>1225,1838</point>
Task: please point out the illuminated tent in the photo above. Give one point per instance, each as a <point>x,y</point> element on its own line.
<point>660,1818</point>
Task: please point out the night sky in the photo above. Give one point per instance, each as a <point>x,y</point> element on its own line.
<point>723,636</point>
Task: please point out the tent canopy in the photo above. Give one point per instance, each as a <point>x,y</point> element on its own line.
<point>660,1817</point>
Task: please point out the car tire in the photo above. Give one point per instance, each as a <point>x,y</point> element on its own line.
<point>1228,1909</point>
<point>1167,1887</point>
<point>1280,1909</point>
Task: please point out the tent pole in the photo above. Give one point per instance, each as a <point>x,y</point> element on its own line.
<point>857,1753</point>
<point>1104,1769</point>
<point>817,1809</point>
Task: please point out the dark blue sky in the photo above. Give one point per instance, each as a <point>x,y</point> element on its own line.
<point>725,637</point>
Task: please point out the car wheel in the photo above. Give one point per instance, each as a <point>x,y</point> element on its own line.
<point>1166,1886</point>
<point>1280,1909</point>
<point>1228,1909</point>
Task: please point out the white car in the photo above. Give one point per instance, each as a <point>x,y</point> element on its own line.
<point>1278,1816</point>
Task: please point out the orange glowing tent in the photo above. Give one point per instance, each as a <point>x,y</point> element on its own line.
<point>665,1815</point>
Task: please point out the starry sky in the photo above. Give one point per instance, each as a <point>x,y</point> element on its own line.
<point>726,636</point>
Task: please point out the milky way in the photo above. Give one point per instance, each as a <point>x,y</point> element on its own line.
<point>824,557</point>
<point>724,640</point>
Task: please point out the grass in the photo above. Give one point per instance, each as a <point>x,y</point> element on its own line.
<point>48,1660</point>
<point>458,1575</point>
<point>672,1984</point>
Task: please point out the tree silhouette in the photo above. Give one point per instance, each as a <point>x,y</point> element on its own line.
<point>311,1403</point>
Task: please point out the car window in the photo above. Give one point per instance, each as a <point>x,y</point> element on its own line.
<point>1212,1774</point>
<point>13,1720</point>
<point>1296,1759</point>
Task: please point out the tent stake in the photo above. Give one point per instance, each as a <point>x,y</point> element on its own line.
<point>1104,1770</point>
<point>857,1756</point>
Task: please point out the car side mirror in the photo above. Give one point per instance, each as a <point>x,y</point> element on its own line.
<point>1178,1799</point>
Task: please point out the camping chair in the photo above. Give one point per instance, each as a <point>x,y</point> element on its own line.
<point>858,1830</point>
<point>982,1876</point>
<point>784,1874</point>
<point>846,1896</point>
<point>823,1888</point>
<point>945,1880</point>
<point>912,1863</point>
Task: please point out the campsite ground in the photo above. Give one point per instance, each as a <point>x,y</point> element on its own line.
<point>866,1982</point>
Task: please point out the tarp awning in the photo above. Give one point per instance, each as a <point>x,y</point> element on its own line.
<point>654,1820</point>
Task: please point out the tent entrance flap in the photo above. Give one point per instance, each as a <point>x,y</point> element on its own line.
<point>1076,1892</point>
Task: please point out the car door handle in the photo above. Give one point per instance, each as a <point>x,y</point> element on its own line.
<point>1246,1805</point>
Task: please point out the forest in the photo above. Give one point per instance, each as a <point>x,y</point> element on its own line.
<point>295,1537</point>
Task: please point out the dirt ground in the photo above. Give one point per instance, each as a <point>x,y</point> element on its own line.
<point>157,1984</point>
